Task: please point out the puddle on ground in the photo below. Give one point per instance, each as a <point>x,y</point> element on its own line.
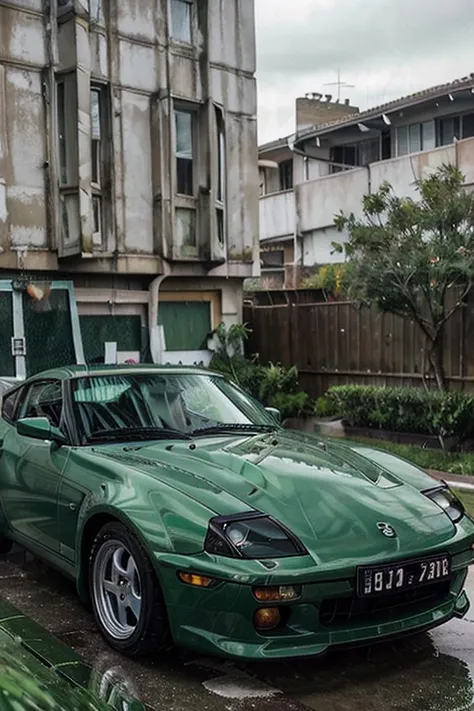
<point>431,672</point>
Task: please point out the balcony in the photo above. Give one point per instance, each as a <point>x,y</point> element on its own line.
<point>277,215</point>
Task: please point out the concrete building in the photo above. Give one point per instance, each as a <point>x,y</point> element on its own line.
<point>128,176</point>
<point>334,163</point>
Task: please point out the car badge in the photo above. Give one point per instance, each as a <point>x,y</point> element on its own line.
<point>387,530</point>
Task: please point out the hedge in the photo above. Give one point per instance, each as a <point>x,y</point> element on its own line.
<point>410,410</point>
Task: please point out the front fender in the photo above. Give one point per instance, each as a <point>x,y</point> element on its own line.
<point>168,523</point>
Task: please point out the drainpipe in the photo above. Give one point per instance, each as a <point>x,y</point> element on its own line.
<point>156,344</point>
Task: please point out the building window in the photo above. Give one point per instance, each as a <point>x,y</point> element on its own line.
<point>186,228</point>
<point>95,11</point>
<point>220,225</point>
<point>415,138</point>
<point>67,156</point>
<point>274,259</point>
<point>468,126</point>
<point>221,162</point>
<point>428,135</point>
<point>62,135</point>
<point>97,159</point>
<point>341,156</point>
<point>221,175</point>
<point>263,182</point>
<point>181,20</point>
<point>306,168</point>
<point>368,152</point>
<point>286,174</point>
<point>184,129</point>
<point>448,129</point>
<point>66,128</point>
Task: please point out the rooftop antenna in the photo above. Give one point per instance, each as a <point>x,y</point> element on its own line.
<point>340,84</point>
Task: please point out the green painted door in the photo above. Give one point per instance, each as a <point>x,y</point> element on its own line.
<point>186,324</point>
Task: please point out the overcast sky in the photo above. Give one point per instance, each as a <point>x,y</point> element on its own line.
<point>386,48</point>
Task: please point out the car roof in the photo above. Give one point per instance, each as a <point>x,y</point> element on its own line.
<point>84,371</point>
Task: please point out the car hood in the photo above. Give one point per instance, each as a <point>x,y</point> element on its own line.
<point>329,494</point>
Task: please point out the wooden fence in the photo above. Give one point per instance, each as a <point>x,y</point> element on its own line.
<point>340,343</point>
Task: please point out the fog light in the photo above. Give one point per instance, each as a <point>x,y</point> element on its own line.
<point>199,581</point>
<point>277,594</point>
<point>267,618</point>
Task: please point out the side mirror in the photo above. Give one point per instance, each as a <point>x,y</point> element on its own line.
<point>275,412</point>
<point>39,428</point>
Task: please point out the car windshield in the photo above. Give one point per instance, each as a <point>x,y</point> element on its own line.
<point>115,406</point>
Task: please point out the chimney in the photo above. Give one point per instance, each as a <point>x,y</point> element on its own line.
<point>312,110</point>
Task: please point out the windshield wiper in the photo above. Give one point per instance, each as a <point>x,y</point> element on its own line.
<point>233,427</point>
<point>134,433</point>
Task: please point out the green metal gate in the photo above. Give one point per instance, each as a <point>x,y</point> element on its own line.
<point>7,362</point>
<point>39,326</point>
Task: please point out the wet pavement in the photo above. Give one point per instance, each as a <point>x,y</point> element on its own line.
<point>430,672</point>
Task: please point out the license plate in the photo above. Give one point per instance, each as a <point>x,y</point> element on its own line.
<point>397,577</point>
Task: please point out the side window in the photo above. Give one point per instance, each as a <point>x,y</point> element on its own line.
<point>44,400</point>
<point>9,404</point>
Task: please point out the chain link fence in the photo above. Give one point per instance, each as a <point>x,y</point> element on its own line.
<point>96,331</point>
<point>7,362</point>
<point>48,332</point>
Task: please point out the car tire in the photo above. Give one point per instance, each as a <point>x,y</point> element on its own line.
<point>126,597</point>
<point>6,546</point>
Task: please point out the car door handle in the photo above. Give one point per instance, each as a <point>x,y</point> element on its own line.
<point>72,507</point>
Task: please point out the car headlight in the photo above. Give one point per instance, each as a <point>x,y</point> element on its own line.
<point>446,500</point>
<point>251,535</point>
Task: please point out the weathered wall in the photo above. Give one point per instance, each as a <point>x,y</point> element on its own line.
<point>317,201</point>
<point>129,52</point>
<point>23,219</point>
<point>277,215</point>
<point>311,112</point>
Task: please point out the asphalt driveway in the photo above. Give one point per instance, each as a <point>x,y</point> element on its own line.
<point>432,672</point>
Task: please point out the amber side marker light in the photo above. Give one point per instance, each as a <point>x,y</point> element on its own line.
<point>199,581</point>
<point>280,593</point>
<point>267,618</point>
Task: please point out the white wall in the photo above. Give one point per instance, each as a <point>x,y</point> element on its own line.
<point>316,202</point>
<point>277,215</point>
<point>317,247</point>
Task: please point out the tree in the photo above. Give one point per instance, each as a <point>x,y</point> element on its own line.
<point>414,258</point>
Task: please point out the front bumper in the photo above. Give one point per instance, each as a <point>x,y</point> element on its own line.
<point>218,621</point>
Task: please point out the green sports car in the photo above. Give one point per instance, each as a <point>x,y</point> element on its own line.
<point>187,514</point>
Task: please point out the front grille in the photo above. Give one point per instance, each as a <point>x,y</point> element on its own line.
<point>340,611</point>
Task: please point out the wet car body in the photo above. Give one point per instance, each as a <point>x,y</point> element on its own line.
<point>245,540</point>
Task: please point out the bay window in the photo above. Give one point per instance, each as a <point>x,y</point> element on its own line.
<point>181,20</point>
<point>184,129</point>
<point>97,160</point>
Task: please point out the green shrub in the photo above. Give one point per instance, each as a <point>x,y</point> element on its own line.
<point>325,407</point>
<point>273,384</point>
<point>290,404</point>
<point>413,410</point>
